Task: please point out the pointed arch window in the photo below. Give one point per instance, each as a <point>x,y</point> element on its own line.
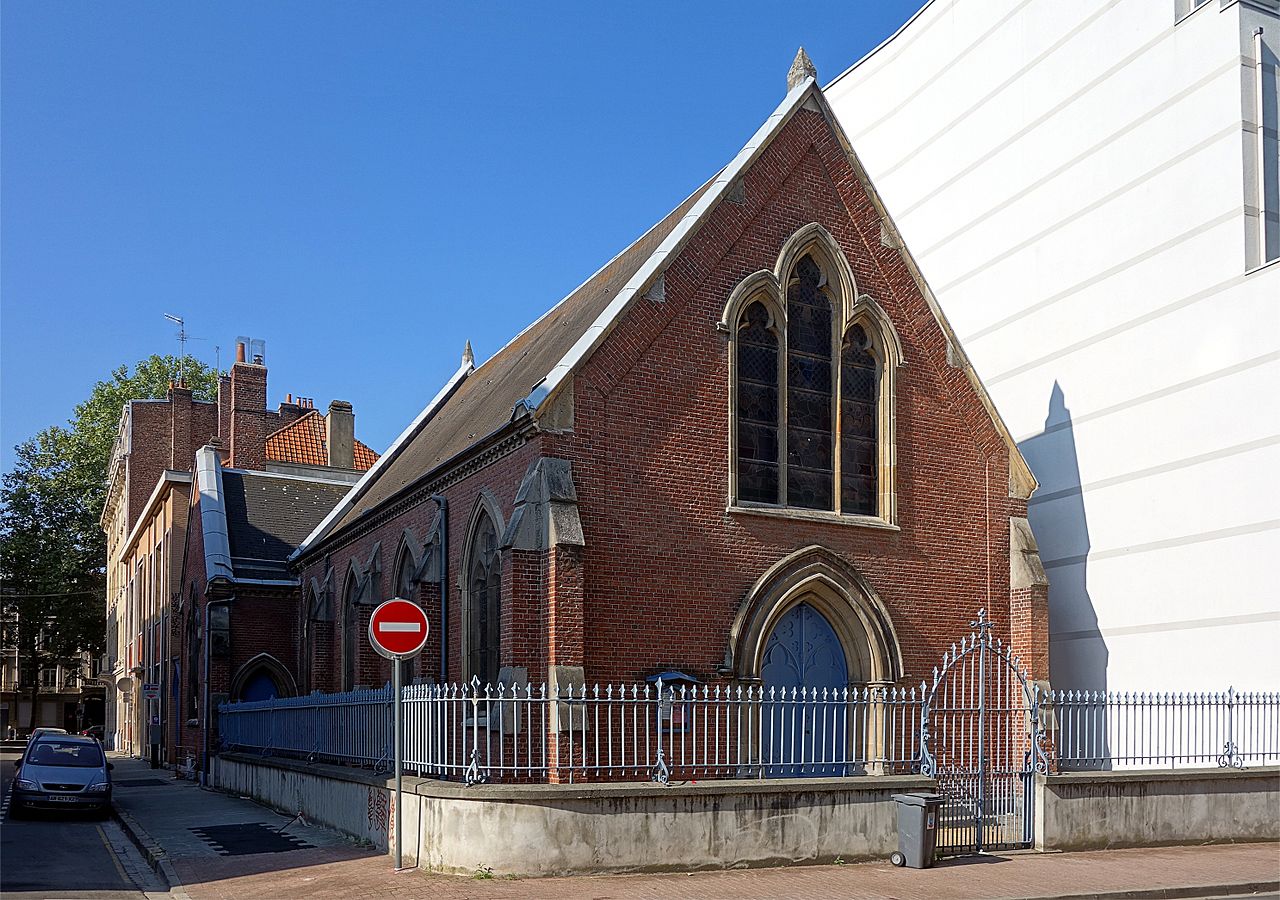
<point>407,588</point>
<point>810,392</point>
<point>812,369</point>
<point>350,623</point>
<point>757,425</point>
<point>484,600</point>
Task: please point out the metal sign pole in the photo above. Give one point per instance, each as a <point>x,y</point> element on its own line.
<point>399,748</point>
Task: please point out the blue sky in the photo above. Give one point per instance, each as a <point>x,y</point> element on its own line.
<point>363,185</point>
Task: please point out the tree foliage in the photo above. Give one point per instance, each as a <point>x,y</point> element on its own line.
<point>52,548</point>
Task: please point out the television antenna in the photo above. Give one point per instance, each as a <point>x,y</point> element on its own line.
<point>183,337</point>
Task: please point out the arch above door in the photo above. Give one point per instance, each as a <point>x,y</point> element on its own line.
<point>817,576</point>
<point>263,664</point>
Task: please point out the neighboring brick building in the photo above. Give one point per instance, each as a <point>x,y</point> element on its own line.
<point>756,415</point>
<point>235,625</point>
<point>144,518</point>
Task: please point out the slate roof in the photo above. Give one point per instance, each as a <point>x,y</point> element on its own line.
<point>305,441</point>
<point>484,400</point>
<point>268,516</point>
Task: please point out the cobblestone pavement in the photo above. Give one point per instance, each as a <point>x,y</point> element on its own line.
<point>333,867</point>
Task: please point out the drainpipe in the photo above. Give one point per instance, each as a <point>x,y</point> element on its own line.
<point>208,653</point>
<point>444,585</point>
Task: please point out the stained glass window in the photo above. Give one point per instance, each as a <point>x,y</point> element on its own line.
<point>810,469</point>
<point>757,348</point>
<point>859,380</point>
<point>485,604</point>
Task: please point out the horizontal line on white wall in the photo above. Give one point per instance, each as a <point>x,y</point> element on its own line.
<point>1156,627</point>
<point>1139,474</point>
<point>1232,130</point>
<point>1128,325</point>
<point>932,80</point>
<point>1166,544</point>
<point>998,89</point>
<point>1151,396</point>
<point>1105,274</point>
<point>1076,160</point>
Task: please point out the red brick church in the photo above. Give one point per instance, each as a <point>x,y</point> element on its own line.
<point>749,448</point>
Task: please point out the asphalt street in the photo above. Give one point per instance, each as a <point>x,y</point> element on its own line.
<point>58,855</point>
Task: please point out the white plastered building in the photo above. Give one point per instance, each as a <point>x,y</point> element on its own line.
<point>1092,190</point>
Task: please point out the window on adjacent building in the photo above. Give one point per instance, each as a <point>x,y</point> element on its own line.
<point>484,602</point>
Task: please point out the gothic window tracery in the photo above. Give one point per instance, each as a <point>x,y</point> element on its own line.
<point>484,601</point>
<point>812,390</point>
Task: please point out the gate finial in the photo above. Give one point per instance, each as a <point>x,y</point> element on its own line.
<point>982,623</point>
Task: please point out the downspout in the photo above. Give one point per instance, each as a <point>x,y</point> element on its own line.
<point>444,585</point>
<point>208,654</point>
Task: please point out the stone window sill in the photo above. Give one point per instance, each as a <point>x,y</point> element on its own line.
<point>812,515</point>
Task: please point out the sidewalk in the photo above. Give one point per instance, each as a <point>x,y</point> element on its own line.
<point>328,865</point>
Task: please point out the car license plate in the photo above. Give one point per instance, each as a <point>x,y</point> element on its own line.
<point>62,798</point>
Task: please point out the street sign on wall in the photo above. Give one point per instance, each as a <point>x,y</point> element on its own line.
<point>150,691</point>
<point>398,629</point>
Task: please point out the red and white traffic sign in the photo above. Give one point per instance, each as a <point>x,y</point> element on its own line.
<point>398,629</point>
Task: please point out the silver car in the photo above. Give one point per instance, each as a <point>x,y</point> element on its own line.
<point>65,771</point>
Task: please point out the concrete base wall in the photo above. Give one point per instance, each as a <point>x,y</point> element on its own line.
<point>562,829</point>
<point>1084,811</point>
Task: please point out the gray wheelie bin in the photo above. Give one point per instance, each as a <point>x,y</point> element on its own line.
<point>918,816</point>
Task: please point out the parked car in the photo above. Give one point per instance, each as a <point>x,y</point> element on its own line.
<point>93,731</point>
<point>62,771</point>
<point>44,730</point>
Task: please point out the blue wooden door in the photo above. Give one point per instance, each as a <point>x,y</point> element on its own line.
<point>260,687</point>
<point>803,731</point>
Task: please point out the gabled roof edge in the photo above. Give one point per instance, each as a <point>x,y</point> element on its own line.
<point>1020,474</point>
<point>667,250</point>
<point>397,446</point>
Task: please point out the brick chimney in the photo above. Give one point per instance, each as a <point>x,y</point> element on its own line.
<point>224,410</point>
<point>180,448</point>
<point>249,426</point>
<point>340,437</point>
<point>289,411</point>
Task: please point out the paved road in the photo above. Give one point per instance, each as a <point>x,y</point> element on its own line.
<point>56,855</point>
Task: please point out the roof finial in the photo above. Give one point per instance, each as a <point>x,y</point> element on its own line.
<point>801,69</point>
<point>468,358</point>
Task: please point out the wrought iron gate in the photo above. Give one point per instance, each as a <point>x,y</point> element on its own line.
<point>980,737</point>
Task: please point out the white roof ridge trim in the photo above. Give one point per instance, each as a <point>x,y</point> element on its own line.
<point>880,46</point>
<point>261,473</point>
<point>397,446</point>
<point>670,245</point>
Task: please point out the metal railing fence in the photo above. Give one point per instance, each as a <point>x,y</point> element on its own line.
<point>628,732</point>
<point>1097,730</point>
<point>351,728</point>
<point>473,732</point>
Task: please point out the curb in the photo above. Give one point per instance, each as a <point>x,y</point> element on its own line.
<point>1239,889</point>
<point>154,854</point>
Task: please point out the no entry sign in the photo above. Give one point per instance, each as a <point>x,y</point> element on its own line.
<point>398,629</point>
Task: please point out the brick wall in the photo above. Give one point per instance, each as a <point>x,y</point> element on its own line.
<point>665,566</point>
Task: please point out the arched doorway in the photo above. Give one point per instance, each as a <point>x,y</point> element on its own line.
<point>805,673</point>
<point>259,686</point>
<point>262,678</point>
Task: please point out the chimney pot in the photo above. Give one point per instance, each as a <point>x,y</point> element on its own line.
<point>239,351</point>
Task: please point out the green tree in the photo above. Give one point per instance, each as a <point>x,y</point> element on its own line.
<point>52,548</point>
